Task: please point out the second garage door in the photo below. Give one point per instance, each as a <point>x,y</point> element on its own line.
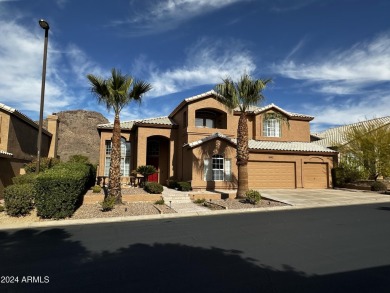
<point>315,175</point>
<point>271,175</point>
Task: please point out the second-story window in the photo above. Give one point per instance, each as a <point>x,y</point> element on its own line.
<point>205,119</point>
<point>271,127</point>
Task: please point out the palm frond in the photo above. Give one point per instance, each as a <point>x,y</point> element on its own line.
<point>139,89</point>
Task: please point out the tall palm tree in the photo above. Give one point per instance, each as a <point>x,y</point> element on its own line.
<point>117,92</point>
<point>242,95</point>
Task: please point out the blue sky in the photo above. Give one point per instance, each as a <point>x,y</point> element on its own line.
<point>327,58</point>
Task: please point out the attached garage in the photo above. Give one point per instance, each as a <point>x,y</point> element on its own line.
<point>315,175</point>
<point>271,174</point>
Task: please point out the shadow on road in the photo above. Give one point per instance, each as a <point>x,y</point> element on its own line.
<point>158,268</point>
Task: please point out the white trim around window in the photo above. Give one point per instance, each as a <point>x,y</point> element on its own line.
<point>217,168</point>
<point>271,127</point>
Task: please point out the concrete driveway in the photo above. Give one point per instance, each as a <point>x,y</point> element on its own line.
<point>323,197</point>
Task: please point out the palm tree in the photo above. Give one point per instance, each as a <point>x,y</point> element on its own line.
<point>242,95</point>
<point>117,92</point>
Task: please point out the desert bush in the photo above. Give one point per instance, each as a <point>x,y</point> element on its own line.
<point>159,202</point>
<point>146,171</point>
<point>253,196</point>
<point>108,204</point>
<point>46,163</point>
<point>153,187</point>
<point>171,183</point>
<point>18,199</point>
<point>378,186</point>
<point>184,186</point>
<point>60,190</point>
<point>2,209</point>
<point>79,159</point>
<point>200,201</point>
<point>96,189</point>
<point>346,173</point>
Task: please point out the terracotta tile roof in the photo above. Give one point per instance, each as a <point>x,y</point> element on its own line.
<point>336,136</point>
<point>164,120</point>
<point>257,110</point>
<point>5,154</point>
<point>268,145</point>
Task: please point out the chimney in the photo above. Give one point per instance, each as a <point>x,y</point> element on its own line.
<point>52,127</point>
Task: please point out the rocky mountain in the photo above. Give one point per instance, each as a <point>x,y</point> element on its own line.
<point>78,134</point>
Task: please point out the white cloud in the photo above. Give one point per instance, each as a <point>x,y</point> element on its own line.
<point>207,62</point>
<point>81,64</point>
<point>21,56</point>
<point>344,72</point>
<point>168,14</point>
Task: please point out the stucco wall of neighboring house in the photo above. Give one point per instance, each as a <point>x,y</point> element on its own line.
<point>22,140</point>
<point>10,168</point>
<point>4,130</point>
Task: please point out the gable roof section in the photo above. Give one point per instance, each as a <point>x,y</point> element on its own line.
<point>252,109</point>
<point>268,145</point>
<point>336,136</point>
<point>23,117</point>
<point>163,121</point>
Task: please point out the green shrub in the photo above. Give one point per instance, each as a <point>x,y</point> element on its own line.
<point>346,173</point>
<point>59,191</point>
<point>184,186</point>
<point>146,171</point>
<point>200,201</point>
<point>108,204</point>
<point>1,208</point>
<point>172,183</point>
<point>46,163</point>
<point>253,196</point>
<point>378,186</point>
<point>153,187</point>
<point>18,199</point>
<point>26,178</point>
<point>96,189</point>
<point>159,202</point>
<point>79,159</point>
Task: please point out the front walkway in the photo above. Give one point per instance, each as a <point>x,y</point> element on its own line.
<point>181,202</point>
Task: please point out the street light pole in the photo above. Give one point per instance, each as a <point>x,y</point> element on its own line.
<point>44,25</point>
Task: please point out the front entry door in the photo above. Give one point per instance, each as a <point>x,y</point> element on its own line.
<point>154,162</point>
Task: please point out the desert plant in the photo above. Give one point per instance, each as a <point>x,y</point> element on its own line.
<point>18,199</point>
<point>253,196</point>
<point>159,202</point>
<point>79,159</point>
<point>1,208</point>
<point>146,170</point>
<point>171,183</point>
<point>200,201</point>
<point>184,186</point>
<point>96,189</point>
<point>108,203</point>
<point>378,186</point>
<point>153,187</point>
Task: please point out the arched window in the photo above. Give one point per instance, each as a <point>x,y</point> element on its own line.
<point>125,157</point>
<point>205,119</point>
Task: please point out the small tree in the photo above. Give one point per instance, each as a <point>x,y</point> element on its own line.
<point>146,171</point>
<point>368,147</point>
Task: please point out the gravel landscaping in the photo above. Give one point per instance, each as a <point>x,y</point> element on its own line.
<point>231,204</point>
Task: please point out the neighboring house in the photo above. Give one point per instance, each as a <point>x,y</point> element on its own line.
<point>18,142</point>
<point>334,137</point>
<point>197,143</point>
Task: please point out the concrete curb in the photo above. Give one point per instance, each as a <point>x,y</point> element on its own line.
<point>60,223</point>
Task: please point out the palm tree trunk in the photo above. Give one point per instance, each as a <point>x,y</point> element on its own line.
<point>242,155</point>
<point>115,165</point>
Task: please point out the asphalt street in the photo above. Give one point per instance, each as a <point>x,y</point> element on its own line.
<point>333,249</point>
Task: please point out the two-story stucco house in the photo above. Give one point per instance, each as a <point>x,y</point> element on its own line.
<point>18,142</point>
<point>197,141</point>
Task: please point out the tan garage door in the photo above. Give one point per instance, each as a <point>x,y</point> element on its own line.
<point>271,175</point>
<point>315,175</point>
